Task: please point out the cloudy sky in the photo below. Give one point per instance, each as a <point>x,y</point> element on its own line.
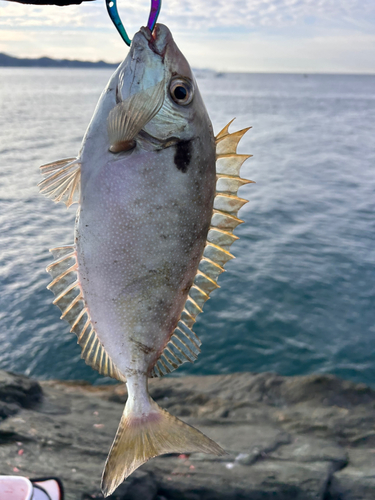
<point>326,36</point>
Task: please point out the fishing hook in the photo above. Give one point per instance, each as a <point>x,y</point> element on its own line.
<point>115,18</point>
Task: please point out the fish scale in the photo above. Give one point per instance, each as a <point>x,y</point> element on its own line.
<point>152,237</point>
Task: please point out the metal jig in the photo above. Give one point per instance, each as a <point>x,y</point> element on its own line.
<point>115,18</point>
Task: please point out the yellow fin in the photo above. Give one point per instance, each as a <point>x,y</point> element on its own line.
<point>69,298</point>
<point>225,130</point>
<point>128,117</point>
<point>217,254</point>
<point>140,438</point>
<point>230,184</point>
<point>228,143</point>
<point>223,220</point>
<point>198,295</point>
<point>230,164</point>
<point>62,181</point>
<point>228,203</point>
<point>184,344</point>
<point>187,318</point>
<point>224,239</point>
<point>212,269</point>
<point>205,282</point>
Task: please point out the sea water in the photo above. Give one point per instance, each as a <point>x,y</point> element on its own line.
<point>300,295</point>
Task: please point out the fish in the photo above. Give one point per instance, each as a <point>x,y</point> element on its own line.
<point>157,206</point>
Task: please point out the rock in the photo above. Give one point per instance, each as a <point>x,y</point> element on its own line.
<point>307,449</point>
<point>139,486</point>
<point>263,449</point>
<point>357,480</point>
<point>287,438</point>
<point>265,480</point>
<point>18,391</point>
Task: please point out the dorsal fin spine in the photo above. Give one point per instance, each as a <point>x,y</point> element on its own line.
<point>89,342</point>
<point>192,304</point>
<point>58,278</point>
<point>72,304</point>
<point>184,343</point>
<point>95,357</point>
<point>83,331</point>
<point>179,350</point>
<point>167,348</point>
<point>170,361</point>
<point>58,261</point>
<point>225,130</point>
<point>190,335</point>
<point>78,318</point>
<point>67,290</point>
<point>164,365</point>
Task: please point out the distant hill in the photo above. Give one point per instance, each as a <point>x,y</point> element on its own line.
<point>47,62</point>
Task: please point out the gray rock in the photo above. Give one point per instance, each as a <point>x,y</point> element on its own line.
<point>265,480</point>
<point>308,449</point>
<point>139,486</point>
<point>287,438</point>
<point>357,480</point>
<point>17,391</point>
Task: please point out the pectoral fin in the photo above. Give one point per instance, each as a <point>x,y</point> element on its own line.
<point>128,117</point>
<point>62,180</point>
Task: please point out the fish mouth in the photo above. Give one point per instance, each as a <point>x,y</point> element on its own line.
<point>157,39</point>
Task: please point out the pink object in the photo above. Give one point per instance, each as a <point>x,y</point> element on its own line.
<point>21,488</point>
<point>15,488</point>
<point>20,452</point>
<point>50,486</point>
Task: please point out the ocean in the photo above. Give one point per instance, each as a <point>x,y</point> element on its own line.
<point>300,296</point>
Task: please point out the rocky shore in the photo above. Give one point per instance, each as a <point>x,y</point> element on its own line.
<point>299,438</point>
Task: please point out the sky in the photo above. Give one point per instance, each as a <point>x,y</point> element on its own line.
<point>289,36</point>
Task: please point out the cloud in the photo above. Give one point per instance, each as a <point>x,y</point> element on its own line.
<point>251,34</point>
<point>257,13</point>
<point>192,14</point>
<point>335,53</point>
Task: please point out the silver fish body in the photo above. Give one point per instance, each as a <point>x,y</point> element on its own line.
<point>151,238</point>
<point>144,219</point>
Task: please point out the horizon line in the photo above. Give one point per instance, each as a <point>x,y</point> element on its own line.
<point>222,71</point>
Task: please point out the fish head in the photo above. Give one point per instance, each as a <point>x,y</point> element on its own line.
<point>157,98</point>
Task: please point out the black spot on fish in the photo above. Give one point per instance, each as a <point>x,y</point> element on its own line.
<point>182,155</point>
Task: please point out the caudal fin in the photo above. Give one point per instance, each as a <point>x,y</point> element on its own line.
<point>139,439</point>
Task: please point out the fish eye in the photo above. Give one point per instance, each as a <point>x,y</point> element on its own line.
<point>181,91</point>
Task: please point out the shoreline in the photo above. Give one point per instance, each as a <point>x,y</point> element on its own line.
<point>302,437</point>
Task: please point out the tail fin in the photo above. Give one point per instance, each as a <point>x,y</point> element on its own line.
<point>139,439</point>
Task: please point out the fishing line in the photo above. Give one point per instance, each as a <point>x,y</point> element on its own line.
<point>115,17</point>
